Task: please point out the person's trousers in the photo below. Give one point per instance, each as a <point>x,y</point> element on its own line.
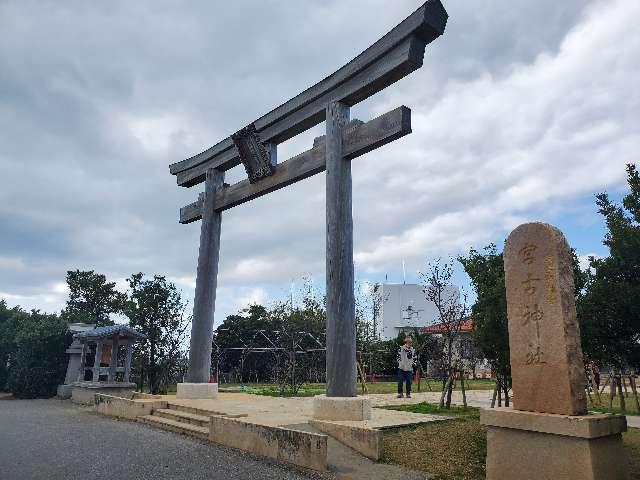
<point>404,377</point>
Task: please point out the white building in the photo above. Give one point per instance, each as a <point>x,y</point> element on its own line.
<point>403,307</point>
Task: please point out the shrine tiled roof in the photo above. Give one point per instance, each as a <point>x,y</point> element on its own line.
<point>110,331</point>
<point>465,326</point>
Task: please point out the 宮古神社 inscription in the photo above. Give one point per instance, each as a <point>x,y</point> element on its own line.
<point>544,338</point>
<point>531,312</point>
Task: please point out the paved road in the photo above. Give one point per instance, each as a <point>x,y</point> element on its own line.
<point>53,439</point>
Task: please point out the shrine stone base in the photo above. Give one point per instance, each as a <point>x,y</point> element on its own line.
<point>528,445</point>
<point>341,408</point>
<point>197,391</point>
<point>64,391</point>
<point>84,392</point>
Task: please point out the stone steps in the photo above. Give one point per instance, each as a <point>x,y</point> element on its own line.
<point>175,426</point>
<point>183,417</point>
<point>202,412</point>
<point>192,410</point>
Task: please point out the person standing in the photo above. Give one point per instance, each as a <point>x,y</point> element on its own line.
<point>406,362</point>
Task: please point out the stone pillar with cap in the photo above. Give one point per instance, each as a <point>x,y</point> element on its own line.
<point>548,433</point>
<point>96,361</point>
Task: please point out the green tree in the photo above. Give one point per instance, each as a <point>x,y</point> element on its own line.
<point>10,319</point>
<point>301,336</point>
<point>489,312</point>
<point>609,309</point>
<point>238,331</point>
<point>155,308</point>
<point>282,344</point>
<point>91,298</point>
<point>37,361</point>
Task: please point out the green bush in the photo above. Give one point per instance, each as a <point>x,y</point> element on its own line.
<point>37,361</point>
<point>9,321</point>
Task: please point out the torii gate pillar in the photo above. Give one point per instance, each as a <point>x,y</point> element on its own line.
<point>341,323</point>
<point>204,304</point>
<point>340,401</point>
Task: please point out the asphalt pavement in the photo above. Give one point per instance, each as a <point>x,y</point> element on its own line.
<point>54,439</point>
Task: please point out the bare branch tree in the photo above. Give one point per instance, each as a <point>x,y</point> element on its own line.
<point>451,305</point>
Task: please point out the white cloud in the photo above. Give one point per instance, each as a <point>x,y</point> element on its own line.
<point>49,299</point>
<point>158,134</point>
<point>249,269</point>
<point>60,288</point>
<point>517,113</point>
<point>497,148</point>
<point>188,282</point>
<point>7,263</point>
<point>584,261</point>
<point>254,296</point>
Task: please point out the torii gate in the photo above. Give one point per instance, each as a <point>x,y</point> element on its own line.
<point>391,58</point>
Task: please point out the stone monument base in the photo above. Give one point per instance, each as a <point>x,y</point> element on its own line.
<point>341,408</point>
<point>195,391</point>
<point>84,392</point>
<point>528,445</point>
<point>64,391</point>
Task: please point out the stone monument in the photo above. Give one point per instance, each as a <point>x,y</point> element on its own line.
<point>548,434</point>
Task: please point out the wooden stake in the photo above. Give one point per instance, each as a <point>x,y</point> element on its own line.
<point>605,384</point>
<point>464,393</point>
<point>493,397</point>
<point>363,379</point>
<point>612,389</point>
<point>594,385</point>
<point>623,406</point>
<point>506,392</point>
<point>632,381</point>
<point>445,389</point>
<point>450,389</point>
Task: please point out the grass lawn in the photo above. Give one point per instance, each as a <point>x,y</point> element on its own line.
<point>376,387</point>
<point>630,404</point>
<point>435,384</point>
<point>631,442</point>
<point>455,449</point>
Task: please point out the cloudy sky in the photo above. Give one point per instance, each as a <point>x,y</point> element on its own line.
<point>522,111</point>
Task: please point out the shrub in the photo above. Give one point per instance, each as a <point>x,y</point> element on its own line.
<point>37,361</point>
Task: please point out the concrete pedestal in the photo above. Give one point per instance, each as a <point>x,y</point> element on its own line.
<point>195,391</point>
<point>341,408</point>
<point>65,391</point>
<point>536,446</point>
<point>85,392</point>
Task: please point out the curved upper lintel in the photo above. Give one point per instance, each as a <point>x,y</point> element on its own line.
<point>391,58</point>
